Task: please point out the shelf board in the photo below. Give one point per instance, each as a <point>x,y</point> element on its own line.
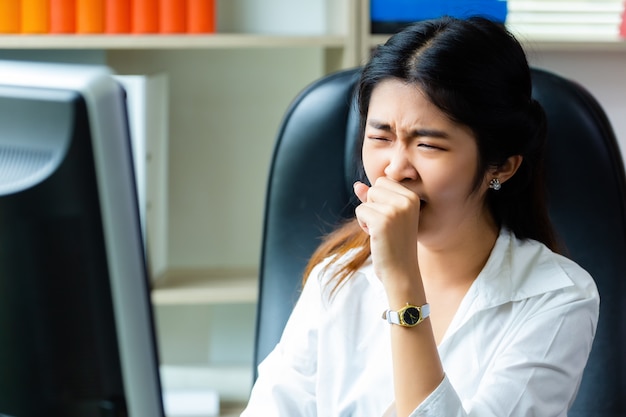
<point>209,41</point>
<point>232,382</point>
<point>557,42</point>
<point>231,409</point>
<point>197,286</point>
<point>554,42</point>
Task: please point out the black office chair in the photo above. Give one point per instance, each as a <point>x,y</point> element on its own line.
<point>310,191</point>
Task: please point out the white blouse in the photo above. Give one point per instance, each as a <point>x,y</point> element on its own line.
<point>517,345</point>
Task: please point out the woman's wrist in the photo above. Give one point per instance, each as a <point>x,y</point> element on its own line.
<point>404,289</point>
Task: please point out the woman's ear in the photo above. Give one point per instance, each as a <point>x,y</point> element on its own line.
<point>506,170</point>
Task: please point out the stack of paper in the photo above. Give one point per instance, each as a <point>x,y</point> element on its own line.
<point>566,19</point>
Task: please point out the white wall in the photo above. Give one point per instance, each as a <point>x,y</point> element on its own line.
<point>603,73</point>
<point>225,108</point>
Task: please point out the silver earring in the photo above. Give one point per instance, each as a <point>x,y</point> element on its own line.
<point>494,184</point>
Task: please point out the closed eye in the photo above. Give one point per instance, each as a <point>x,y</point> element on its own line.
<point>379,138</point>
<point>429,146</point>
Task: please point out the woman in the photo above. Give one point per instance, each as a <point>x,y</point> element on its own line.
<point>451,243</point>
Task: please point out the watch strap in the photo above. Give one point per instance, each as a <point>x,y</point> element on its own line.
<point>393,317</point>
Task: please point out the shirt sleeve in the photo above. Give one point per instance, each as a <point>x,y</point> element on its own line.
<point>537,371</point>
<point>286,381</point>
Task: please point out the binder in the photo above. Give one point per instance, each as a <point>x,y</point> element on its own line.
<point>147,98</point>
<point>10,16</point>
<point>201,16</point>
<point>144,16</point>
<point>622,26</point>
<point>35,16</point>
<point>89,16</point>
<point>117,16</point>
<point>172,16</point>
<point>62,16</point>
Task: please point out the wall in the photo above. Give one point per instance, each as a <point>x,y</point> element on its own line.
<point>601,72</point>
<point>225,108</point>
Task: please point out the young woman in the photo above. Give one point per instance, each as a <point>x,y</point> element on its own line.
<point>451,245</point>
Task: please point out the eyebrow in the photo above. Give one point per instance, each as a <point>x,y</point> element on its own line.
<point>433,133</point>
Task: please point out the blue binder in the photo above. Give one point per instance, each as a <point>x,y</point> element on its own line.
<point>387,14</point>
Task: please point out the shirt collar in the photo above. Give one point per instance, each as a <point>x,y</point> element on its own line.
<point>517,269</point>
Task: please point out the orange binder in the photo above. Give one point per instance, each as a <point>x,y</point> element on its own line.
<point>10,16</point>
<point>89,16</point>
<point>35,15</point>
<point>117,16</point>
<point>144,16</point>
<point>172,16</point>
<point>201,16</point>
<point>62,16</point>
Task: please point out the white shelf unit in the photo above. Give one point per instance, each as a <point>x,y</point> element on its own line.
<point>227,94</point>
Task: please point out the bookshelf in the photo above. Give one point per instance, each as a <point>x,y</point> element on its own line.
<point>227,93</point>
<point>547,32</point>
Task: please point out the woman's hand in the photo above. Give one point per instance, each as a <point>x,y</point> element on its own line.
<point>390,213</point>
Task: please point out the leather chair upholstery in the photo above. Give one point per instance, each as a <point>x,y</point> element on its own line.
<point>310,191</point>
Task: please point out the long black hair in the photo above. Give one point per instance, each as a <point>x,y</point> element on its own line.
<point>477,73</point>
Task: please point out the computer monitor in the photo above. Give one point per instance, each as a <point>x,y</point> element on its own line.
<point>77,336</point>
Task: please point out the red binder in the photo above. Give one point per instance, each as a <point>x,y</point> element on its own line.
<point>201,16</point>
<point>172,16</point>
<point>89,16</point>
<point>10,16</point>
<point>62,16</point>
<point>117,16</point>
<point>35,15</point>
<point>144,16</point>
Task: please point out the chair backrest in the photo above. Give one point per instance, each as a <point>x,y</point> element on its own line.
<point>587,197</point>
<point>310,192</point>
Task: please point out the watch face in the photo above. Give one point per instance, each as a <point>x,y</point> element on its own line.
<point>411,316</point>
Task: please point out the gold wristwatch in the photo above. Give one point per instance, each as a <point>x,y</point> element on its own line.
<point>407,316</point>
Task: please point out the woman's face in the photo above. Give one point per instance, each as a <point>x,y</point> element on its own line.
<point>409,140</point>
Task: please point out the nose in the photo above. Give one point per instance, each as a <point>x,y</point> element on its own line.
<point>400,168</point>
